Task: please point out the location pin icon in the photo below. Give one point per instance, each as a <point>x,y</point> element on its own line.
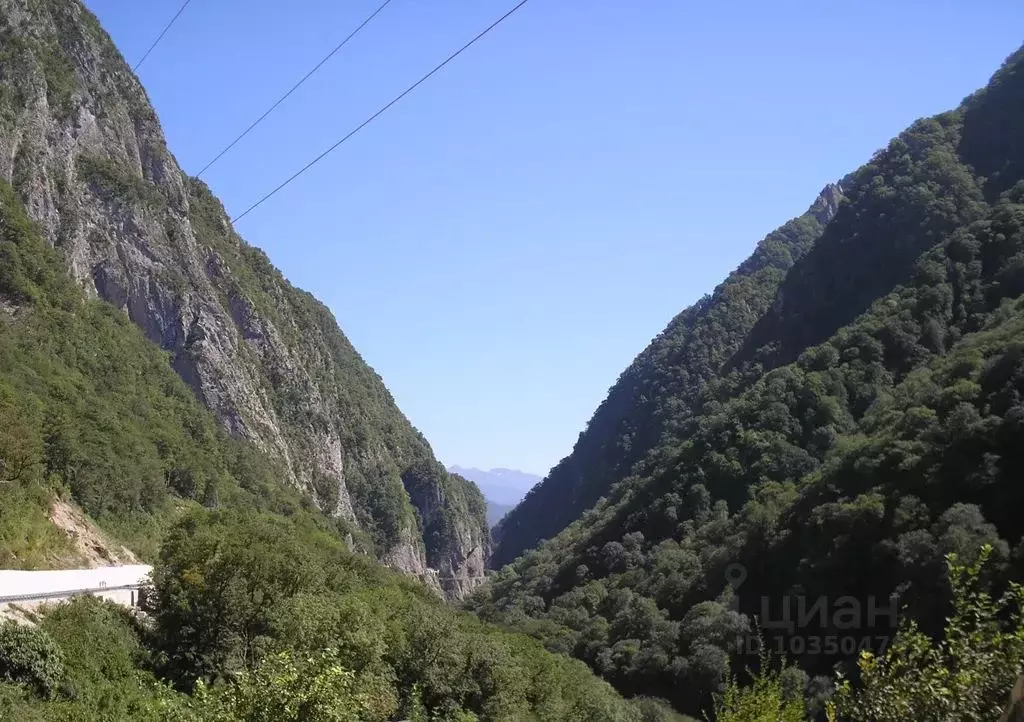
<point>735,575</point>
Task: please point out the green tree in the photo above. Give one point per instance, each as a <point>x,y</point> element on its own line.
<point>217,583</point>
<point>964,676</point>
<point>29,656</point>
<point>21,448</point>
<point>764,699</point>
<point>299,688</point>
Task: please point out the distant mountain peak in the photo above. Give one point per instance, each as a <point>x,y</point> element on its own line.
<point>496,471</point>
<point>501,486</point>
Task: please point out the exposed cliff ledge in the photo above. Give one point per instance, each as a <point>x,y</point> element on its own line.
<point>82,145</point>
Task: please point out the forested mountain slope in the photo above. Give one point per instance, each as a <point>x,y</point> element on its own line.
<point>868,423</point>
<point>84,152</point>
<point>655,395</point>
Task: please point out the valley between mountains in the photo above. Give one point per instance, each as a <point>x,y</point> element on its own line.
<point>800,501</point>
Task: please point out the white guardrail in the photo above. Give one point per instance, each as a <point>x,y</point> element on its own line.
<point>48,596</point>
<point>118,584</point>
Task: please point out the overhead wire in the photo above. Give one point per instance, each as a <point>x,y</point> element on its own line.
<point>381,111</point>
<point>295,87</point>
<point>161,35</point>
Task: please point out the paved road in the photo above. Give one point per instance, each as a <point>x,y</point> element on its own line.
<point>118,584</point>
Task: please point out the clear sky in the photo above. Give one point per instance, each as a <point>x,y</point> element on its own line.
<point>503,242</point>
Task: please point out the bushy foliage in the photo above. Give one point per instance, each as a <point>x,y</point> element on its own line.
<point>261,618</point>
<point>764,699</point>
<point>27,538</point>
<point>234,591</point>
<point>966,675</point>
<point>106,659</point>
<point>105,675</point>
<point>29,656</point>
<point>284,688</point>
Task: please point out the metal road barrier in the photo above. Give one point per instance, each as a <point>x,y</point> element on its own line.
<point>66,594</point>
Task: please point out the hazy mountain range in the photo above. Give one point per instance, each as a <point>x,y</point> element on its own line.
<point>502,488</point>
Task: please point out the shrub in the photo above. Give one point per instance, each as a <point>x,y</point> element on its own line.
<point>768,697</point>
<point>965,676</point>
<point>117,182</point>
<point>29,656</point>
<point>285,687</point>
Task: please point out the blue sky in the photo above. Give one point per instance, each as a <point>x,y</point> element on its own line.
<point>503,242</point>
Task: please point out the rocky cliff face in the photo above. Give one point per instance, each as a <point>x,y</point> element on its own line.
<point>81,144</point>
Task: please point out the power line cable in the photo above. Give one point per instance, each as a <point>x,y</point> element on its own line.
<point>161,35</point>
<point>295,87</point>
<point>380,112</point>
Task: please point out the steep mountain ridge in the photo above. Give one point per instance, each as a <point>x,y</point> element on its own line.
<point>865,426</point>
<point>656,393</point>
<point>81,145</point>
<point>890,240</point>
